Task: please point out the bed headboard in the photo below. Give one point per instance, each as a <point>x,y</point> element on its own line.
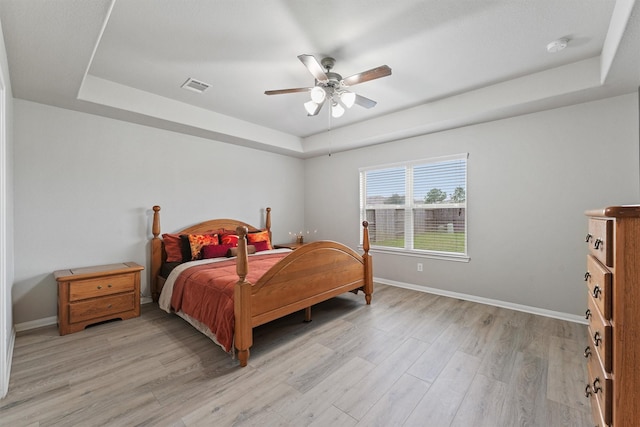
<point>158,254</point>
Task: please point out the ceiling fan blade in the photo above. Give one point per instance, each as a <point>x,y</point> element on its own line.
<point>365,102</point>
<point>314,67</point>
<point>365,76</point>
<point>282,91</point>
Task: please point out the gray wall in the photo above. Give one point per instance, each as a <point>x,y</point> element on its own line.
<point>85,185</point>
<point>530,178</point>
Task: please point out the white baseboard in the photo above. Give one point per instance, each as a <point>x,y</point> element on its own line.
<point>48,321</point>
<point>497,303</point>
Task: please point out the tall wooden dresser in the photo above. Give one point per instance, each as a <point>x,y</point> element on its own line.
<point>613,312</point>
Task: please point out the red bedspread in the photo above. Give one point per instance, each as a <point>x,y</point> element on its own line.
<point>205,292</point>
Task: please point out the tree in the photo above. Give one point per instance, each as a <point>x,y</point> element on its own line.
<point>435,195</point>
<point>458,195</point>
<point>394,199</point>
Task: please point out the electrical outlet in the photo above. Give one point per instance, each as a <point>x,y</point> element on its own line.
<point>419,266</point>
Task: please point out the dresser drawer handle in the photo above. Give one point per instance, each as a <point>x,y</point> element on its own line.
<point>596,386</point>
<point>586,276</point>
<point>587,314</point>
<point>597,291</point>
<point>587,391</point>
<point>109,285</point>
<point>589,236</point>
<point>597,243</point>
<point>596,339</point>
<point>99,286</point>
<point>587,352</point>
<point>110,305</point>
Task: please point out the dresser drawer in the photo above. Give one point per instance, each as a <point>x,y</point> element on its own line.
<point>107,306</point>
<point>92,288</point>
<point>600,240</point>
<point>600,387</point>
<point>600,333</point>
<point>598,280</point>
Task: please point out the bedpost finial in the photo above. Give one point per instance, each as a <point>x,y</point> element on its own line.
<point>242,231</point>
<point>268,209</point>
<point>365,224</point>
<point>155,228</point>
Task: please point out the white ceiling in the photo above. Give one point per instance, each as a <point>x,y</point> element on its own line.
<point>454,62</point>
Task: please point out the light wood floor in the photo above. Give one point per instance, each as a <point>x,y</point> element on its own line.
<point>409,359</point>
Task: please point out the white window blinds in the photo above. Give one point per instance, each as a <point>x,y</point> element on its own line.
<point>417,206</point>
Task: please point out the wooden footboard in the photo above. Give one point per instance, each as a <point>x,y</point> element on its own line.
<point>311,274</point>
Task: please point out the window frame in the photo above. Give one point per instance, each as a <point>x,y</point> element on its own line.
<point>410,207</point>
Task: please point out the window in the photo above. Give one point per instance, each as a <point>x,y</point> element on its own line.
<point>418,207</point>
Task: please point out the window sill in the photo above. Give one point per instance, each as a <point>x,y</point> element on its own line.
<point>445,256</point>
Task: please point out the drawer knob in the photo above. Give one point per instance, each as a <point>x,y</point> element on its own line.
<point>597,291</point>
<point>110,305</point>
<point>587,314</point>
<point>589,236</point>
<point>586,276</point>
<point>597,243</point>
<point>99,286</point>
<point>596,339</point>
<point>587,391</point>
<point>109,285</point>
<point>587,352</point>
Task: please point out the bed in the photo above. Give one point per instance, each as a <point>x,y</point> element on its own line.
<point>265,286</point>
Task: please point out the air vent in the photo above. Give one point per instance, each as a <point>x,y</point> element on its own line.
<point>195,85</point>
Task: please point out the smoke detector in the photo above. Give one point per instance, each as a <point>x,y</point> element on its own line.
<point>557,45</point>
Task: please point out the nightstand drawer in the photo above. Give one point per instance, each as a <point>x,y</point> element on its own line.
<point>90,309</point>
<point>91,288</point>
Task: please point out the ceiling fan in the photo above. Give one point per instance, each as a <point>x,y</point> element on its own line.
<point>330,86</point>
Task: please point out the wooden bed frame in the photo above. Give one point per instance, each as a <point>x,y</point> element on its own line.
<point>313,273</point>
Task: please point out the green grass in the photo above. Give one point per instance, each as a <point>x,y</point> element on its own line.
<point>430,241</point>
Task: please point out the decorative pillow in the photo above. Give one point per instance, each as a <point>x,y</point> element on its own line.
<point>259,236</point>
<point>234,251</point>
<point>229,239</point>
<point>215,251</point>
<point>197,241</point>
<point>173,247</point>
<point>261,246</point>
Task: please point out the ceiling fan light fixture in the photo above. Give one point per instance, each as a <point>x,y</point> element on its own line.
<point>311,107</point>
<point>348,98</point>
<point>337,110</point>
<point>318,94</point>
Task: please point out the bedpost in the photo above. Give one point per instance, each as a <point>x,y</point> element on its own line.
<point>156,253</point>
<point>368,263</point>
<point>243,334</point>
<point>267,223</point>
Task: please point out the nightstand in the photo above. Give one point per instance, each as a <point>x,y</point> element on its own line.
<point>89,295</point>
<point>292,246</point>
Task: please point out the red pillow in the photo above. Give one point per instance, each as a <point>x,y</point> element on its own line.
<point>173,247</point>
<point>259,236</point>
<point>229,239</point>
<point>261,246</point>
<point>198,241</point>
<point>215,251</point>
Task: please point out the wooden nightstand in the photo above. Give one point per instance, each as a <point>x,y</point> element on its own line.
<point>292,246</point>
<point>90,295</point>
